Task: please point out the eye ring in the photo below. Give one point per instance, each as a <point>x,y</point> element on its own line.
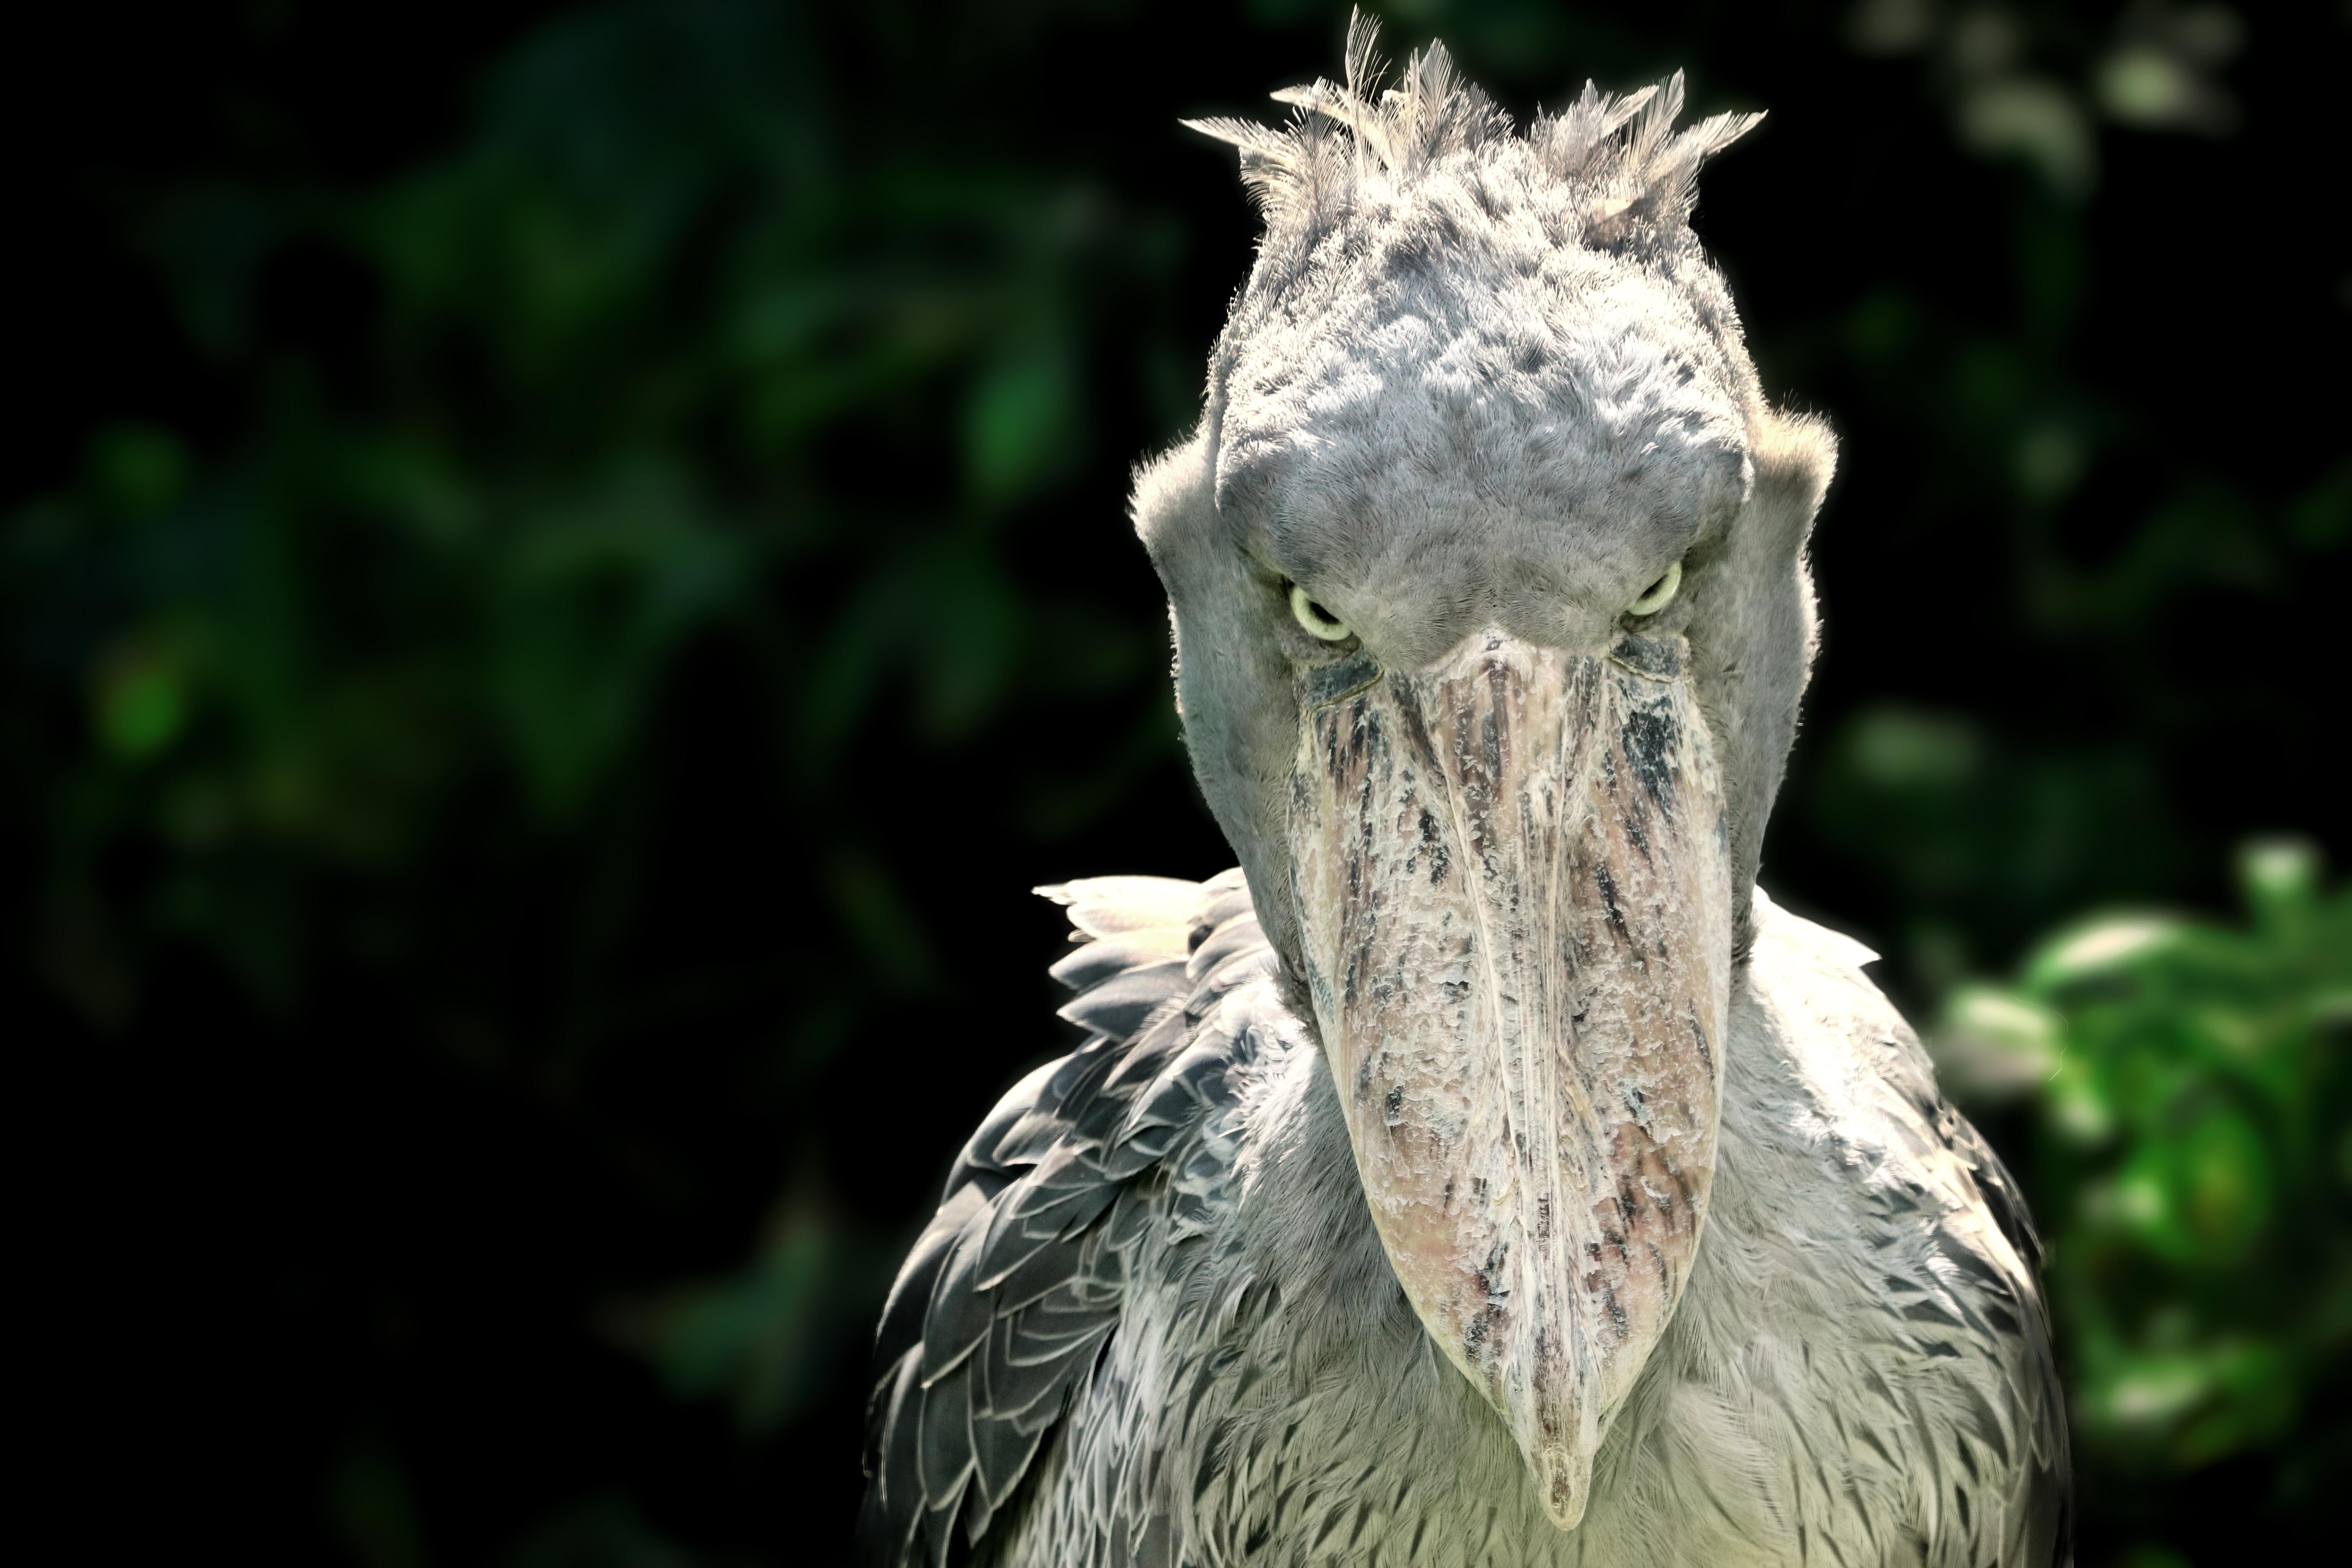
<point>1658,595</point>
<point>1317,621</point>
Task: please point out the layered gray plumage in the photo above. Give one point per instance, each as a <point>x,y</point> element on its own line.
<point>1482,1172</point>
<point>1151,1324</point>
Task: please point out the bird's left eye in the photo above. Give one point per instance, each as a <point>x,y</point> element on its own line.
<point>1658,595</point>
<point>1319,621</point>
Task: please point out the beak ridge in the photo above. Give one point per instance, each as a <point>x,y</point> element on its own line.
<point>1512,875</point>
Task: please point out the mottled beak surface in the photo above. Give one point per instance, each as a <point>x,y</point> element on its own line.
<point>1513,883</point>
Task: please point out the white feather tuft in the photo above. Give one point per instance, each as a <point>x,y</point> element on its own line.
<point>1621,151</point>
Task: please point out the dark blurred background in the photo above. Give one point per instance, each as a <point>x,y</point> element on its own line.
<point>563,571</point>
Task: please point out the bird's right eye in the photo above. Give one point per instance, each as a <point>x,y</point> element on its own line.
<point>1658,595</point>
<point>1319,621</point>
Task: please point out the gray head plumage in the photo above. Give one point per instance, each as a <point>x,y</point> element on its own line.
<point>1479,378</point>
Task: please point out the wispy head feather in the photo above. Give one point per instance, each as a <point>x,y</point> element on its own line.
<point>1621,151</point>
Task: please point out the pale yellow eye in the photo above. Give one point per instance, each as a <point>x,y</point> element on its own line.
<point>1658,595</point>
<point>1319,621</point>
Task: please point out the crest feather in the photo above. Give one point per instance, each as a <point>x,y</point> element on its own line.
<point>1621,151</point>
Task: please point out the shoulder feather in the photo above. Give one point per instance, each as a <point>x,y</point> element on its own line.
<point>1008,1296</point>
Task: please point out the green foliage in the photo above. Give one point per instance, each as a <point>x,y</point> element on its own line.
<point>2097,521</point>
<point>2191,1094</point>
<point>764,1339</point>
<point>621,339</point>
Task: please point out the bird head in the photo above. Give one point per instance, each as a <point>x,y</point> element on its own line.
<point>1486,571</point>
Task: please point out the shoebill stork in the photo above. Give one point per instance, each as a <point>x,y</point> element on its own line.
<point>1484,1171</point>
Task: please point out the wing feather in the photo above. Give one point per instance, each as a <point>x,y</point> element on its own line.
<point>1007,1299</point>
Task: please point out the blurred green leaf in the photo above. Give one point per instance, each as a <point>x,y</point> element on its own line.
<point>373,1508</point>
<point>138,471</point>
<point>762,1340</point>
<point>2190,1127</point>
<point>1018,419</point>
<point>2035,120</point>
<point>1995,1045</point>
<point>594,594</point>
<point>141,708</point>
<point>2103,948</point>
<point>2321,518</point>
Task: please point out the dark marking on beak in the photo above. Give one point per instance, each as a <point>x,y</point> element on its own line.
<point>1651,737</point>
<point>1698,1035</point>
<point>1616,911</point>
<point>1657,658</point>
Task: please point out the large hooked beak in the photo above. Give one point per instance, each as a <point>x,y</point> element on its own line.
<point>1513,884</point>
